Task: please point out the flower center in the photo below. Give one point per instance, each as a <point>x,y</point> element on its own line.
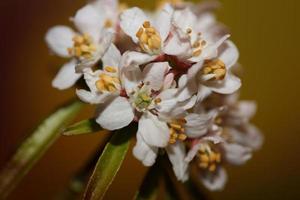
<point>208,159</point>
<point>177,130</point>
<point>107,81</point>
<point>216,68</point>
<point>149,38</point>
<point>83,47</point>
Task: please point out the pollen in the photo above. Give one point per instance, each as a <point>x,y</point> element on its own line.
<point>208,158</point>
<point>198,46</point>
<point>108,23</point>
<point>149,38</point>
<point>177,131</point>
<point>108,82</point>
<point>215,67</point>
<point>83,47</point>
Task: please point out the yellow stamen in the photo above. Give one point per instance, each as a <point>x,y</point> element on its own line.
<point>82,47</point>
<point>215,67</point>
<point>208,159</point>
<point>149,38</point>
<point>177,131</point>
<point>108,82</point>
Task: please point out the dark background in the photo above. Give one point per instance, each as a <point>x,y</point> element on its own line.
<point>266,33</point>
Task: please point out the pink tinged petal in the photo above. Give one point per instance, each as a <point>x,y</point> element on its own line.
<point>214,181</point>
<point>236,154</point>
<point>154,132</point>
<point>197,124</point>
<point>115,114</point>
<point>176,154</point>
<point>93,98</point>
<point>131,20</point>
<point>112,57</point>
<point>145,153</point>
<point>205,21</point>
<point>230,54</point>
<point>154,74</point>
<point>59,39</point>
<point>229,85</point>
<point>66,76</point>
<point>168,82</point>
<point>88,20</point>
<point>163,22</point>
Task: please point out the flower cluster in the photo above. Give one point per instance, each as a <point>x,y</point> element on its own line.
<point>171,72</point>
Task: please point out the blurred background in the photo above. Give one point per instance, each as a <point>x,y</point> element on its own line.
<point>266,33</point>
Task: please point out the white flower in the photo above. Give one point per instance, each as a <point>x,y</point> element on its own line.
<point>84,48</point>
<point>150,34</point>
<point>214,75</point>
<point>193,38</point>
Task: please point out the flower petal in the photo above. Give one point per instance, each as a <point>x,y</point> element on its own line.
<point>237,154</point>
<point>115,114</point>
<point>203,92</point>
<point>93,98</point>
<point>59,39</point>
<point>112,57</point>
<point>131,20</point>
<point>88,20</point>
<point>66,76</point>
<point>230,54</point>
<point>176,153</point>
<point>145,153</point>
<point>229,85</point>
<point>215,181</point>
<point>163,22</point>
<point>154,132</point>
<point>132,59</point>
<point>154,73</point>
<point>198,124</point>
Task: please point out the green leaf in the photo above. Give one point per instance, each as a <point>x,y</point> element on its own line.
<point>109,164</point>
<point>83,127</point>
<point>35,146</point>
<point>149,188</point>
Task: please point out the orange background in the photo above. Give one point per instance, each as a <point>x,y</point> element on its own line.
<point>266,33</point>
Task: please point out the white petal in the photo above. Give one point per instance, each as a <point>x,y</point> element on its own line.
<point>59,39</point>
<point>249,136</point>
<point>134,59</point>
<point>178,45</point>
<point>193,71</point>
<point>131,20</point>
<point>88,20</point>
<point>203,92</point>
<point>176,153</point>
<point>229,85</point>
<point>145,153</point>
<point>155,74</point>
<point>230,55</point>
<point>246,109</point>
<point>237,154</point>
<point>154,132</point>
<point>66,76</point>
<point>187,88</point>
<point>112,57</point>
<point>198,124</point>
<point>216,181</point>
<point>115,114</point>
<point>92,98</point>
<point>131,79</point>
<point>192,152</point>
<point>163,22</point>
